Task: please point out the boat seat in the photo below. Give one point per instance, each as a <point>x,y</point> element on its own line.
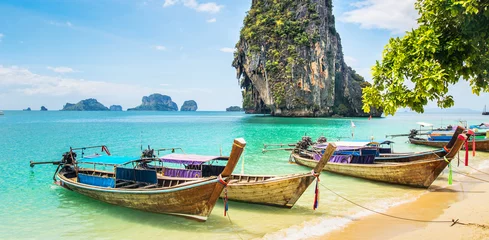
<point>121,183</point>
<point>137,184</point>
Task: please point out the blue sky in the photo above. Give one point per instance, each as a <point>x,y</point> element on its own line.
<point>53,52</point>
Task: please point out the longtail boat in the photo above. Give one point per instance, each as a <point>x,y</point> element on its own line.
<point>272,190</point>
<point>416,173</point>
<point>281,191</point>
<point>480,144</point>
<point>142,189</point>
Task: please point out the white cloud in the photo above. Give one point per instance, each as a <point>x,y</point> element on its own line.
<point>61,24</point>
<point>212,20</point>
<point>227,50</point>
<point>393,15</point>
<point>210,7</point>
<point>169,3</point>
<point>61,69</point>
<point>19,84</point>
<point>1,36</point>
<point>160,48</point>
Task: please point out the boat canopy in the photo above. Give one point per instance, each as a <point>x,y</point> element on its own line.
<point>188,158</point>
<point>423,124</point>
<point>103,159</point>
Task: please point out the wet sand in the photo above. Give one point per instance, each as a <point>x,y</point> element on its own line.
<point>467,200</point>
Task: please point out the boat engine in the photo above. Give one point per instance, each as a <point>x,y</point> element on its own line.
<point>305,143</point>
<point>322,139</point>
<point>148,153</point>
<point>69,158</point>
<point>413,133</point>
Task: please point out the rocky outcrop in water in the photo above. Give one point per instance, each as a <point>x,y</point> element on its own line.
<point>290,62</point>
<point>43,108</point>
<point>90,104</point>
<point>156,102</point>
<point>234,109</point>
<point>189,105</point>
<point>115,108</point>
<point>27,109</point>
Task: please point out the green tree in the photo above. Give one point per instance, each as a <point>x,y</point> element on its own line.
<point>451,43</point>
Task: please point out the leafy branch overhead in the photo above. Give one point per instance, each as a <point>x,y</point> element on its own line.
<point>451,43</point>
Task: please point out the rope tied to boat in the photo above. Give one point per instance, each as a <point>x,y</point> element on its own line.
<point>316,190</point>
<point>225,198</point>
<point>446,149</point>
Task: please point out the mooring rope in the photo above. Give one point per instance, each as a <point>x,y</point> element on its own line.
<point>478,170</point>
<point>453,221</point>
<point>232,225</point>
<point>467,175</point>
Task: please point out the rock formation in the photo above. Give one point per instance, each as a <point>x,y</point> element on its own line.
<point>290,62</point>
<point>115,108</point>
<point>27,109</point>
<point>156,102</point>
<point>189,105</point>
<point>234,109</point>
<point>85,105</point>
<point>43,108</point>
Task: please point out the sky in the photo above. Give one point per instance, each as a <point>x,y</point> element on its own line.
<point>117,51</point>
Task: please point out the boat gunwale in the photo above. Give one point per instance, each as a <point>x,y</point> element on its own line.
<point>376,165</point>
<point>183,186</point>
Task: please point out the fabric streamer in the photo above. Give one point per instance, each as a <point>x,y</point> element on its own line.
<point>466,153</point>
<point>316,191</point>
<point>450,174</point>
<point>316,196</point>
<point>226,206</point>
<point>450,178</point>
<point>473,146</point>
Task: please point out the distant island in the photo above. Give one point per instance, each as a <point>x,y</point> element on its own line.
<point>189,106</point>
<point>115,108</point>
<point>90,104</point>
<point>156,102</point>
<point>43,108</point>
<point>27,109</point>
<point>234,109</point>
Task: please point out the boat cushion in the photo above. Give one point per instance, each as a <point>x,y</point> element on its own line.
<point>368,159</point>
<point>96,180</point>
<point>138,175</point>
<point>183,173</point>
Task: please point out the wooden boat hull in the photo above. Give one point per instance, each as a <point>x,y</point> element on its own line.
<point>480,144</point>
<point>279,191</point>
<point>193,200</point>
<point>419,173</point>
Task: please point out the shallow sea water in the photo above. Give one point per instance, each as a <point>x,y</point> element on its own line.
<point>31,206</point>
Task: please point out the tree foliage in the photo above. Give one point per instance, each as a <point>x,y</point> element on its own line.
<point>451,43</point>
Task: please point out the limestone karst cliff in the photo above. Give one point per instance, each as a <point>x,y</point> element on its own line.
<point>289,62</point>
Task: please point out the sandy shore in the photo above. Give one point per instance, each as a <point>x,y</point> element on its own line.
<point>467,200</point>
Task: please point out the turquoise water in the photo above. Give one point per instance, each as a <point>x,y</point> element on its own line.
<point>32,207</point>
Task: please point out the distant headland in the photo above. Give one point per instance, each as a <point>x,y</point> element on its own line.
<point>234,109</point>
<point>189,106</point>
<point>156,102</point>
<point>90,104</point>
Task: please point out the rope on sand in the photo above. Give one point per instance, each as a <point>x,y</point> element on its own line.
<point>453,221</point>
